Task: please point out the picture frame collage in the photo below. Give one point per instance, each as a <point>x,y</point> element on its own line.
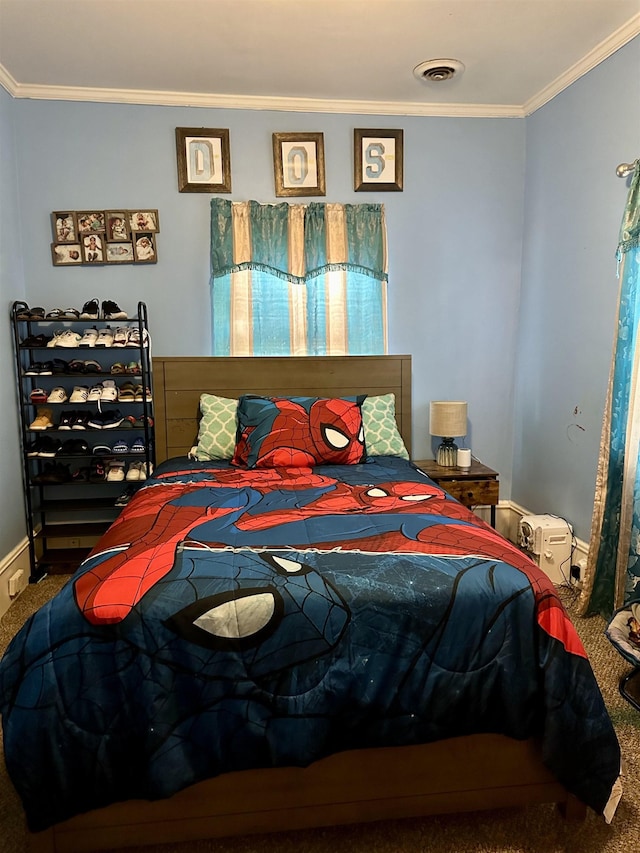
<point>204,161</point>
<point>98,237</point>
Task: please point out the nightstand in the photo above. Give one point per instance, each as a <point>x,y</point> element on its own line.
<point>474,486</point>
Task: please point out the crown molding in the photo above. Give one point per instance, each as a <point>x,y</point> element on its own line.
<point>252,102</point>
<point>606,48</point>
<point>7,82</point>
<point>603,51</point>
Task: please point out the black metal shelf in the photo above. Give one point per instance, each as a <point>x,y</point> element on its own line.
<point>48,502</point>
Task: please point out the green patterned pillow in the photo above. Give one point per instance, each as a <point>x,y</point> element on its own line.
<point>217,430</point>
<point>380,429</point>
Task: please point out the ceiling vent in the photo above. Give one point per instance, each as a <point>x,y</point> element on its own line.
<point>438,70</point>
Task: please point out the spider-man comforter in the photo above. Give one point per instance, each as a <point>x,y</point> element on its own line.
<point>236,619</point>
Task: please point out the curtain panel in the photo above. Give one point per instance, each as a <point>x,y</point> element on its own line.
<point>298,279</point>
<point>612,577</point>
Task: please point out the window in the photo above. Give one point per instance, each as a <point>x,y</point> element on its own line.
<point>291,279</point>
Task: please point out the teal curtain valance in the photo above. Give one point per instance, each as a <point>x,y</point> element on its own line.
<point>298,242</point>
<point>630,227</point>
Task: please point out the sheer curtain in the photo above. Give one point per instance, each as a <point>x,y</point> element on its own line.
<point>292,279</point>
<point>613,566</point>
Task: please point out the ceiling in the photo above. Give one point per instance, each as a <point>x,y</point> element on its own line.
<point>346,56</point>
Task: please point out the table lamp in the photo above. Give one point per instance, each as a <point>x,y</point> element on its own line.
<point>447,419</point>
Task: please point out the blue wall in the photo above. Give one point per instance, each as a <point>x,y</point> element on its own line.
<point>456,252</point>
<point>574,205</point>
<point>454,234</point>
<point>12,524</point>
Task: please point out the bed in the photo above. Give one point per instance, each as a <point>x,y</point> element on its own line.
<point>428,665</point>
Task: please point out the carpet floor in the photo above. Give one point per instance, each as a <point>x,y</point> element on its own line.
<point>538,829</point>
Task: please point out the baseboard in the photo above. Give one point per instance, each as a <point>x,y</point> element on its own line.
<point>15,569</point>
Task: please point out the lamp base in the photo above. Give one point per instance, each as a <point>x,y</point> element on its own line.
<point>447,454</point>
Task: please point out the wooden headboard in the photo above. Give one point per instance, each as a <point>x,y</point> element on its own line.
<point>180,380</point>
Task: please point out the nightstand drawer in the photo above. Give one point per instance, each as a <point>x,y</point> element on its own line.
<point>473,492</point>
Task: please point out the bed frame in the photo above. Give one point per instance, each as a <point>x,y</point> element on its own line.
<point>178,383</point>
<point>460,774</point>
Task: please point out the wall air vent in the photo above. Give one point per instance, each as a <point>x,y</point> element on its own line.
<point>438,70</point>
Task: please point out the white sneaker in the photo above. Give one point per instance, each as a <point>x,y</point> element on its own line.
<point>95,394</point>
<point>133,471</point>
<point>115,471</point>
<point>69,339</point>
<point>121,337</point>
<point>89,338</point>
<point>57,395</point>
<point>105,338</point>
<point>146,469</point>
<point>79,394</point>
<point>56,337</point>
<point>109,391</point>
<point>133,339</point>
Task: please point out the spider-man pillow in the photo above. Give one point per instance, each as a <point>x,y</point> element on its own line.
<point>299,432</point>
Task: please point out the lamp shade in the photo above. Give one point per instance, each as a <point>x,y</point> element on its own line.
<point>447,418</point>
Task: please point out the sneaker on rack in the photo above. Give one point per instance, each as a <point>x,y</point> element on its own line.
<point>109,391</point>
<point>105,338</point>
<point>80,420</point>
<point>111,420</point>
<point>120,337</point>
<point>38,395</point>
<point>49,447</point>
<point>97,472</point>
<point>33,450</point>
<point>42,420</point>
<point>59,366</point>
<point>69,339</point>
<point>55,338</point>
<point>79,394</point>
<point>75,447</point>
<point>36,341</point>
<point>133,338</point>
<point>90,310</point>
<point>101,450</point>
<point>133,472</point>
<point>95,420</point>
<point>112,311</point>
<point>66,420</point>
<point>138,446</point>
<point>81,475</point>
<point>95,393</point>
<point>115,470</point>
<point>142,394</point>
<point>58,395</point>
<point>146,470</point>
<point>127,392</point>
<point>89,338</point>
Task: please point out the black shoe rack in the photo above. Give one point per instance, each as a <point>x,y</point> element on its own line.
<point>72,485</point>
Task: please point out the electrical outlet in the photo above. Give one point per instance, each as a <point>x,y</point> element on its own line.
<point>17,582</point>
